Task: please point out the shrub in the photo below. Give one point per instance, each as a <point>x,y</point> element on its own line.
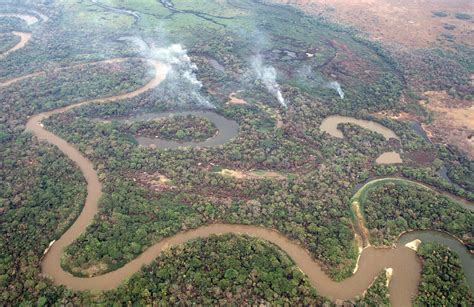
<point>440,14</point>
<point>463,16</point>
<point>448,26</point>
<point>448,37</point>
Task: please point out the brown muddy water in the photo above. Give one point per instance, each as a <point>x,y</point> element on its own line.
<point>466,258</point>
<point>329,125</point>
<point>227,130</point>
<point>403,261</point>
<point>24,36</point>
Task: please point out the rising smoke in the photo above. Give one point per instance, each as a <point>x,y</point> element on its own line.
<point>136,41</point>
<point>306,75</point>
<point>336,86</point>
<point>267,74</point>
<point>181,82</point>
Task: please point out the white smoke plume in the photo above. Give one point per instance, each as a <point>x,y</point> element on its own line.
<point>138,42</point>
<point>268,75</point>
<point>181,79</point>
<point>305,74</point>
<point>336,86</point>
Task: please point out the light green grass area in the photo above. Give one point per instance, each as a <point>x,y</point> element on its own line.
<point>87,15</point>
<point>153,15</point>
<point>145,6</point>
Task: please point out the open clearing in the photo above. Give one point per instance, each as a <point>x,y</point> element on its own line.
<point>452,124</point>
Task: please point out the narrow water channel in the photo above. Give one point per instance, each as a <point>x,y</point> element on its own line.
<point>227,130</point>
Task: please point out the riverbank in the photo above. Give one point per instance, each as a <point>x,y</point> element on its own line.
<point>372,261</point>
<point>330,123</point>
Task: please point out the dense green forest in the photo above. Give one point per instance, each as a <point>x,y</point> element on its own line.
<point>219,270</point>
<point>442,280</point>
<point>377,294</point>
<point>393,208</point>
<point>214,197</point>
<point>41,194</point>
<point>69,57</point>
<point>63,87</point>
<point>8,25</point>
<point>180,128</point>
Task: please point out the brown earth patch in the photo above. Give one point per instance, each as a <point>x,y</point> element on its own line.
<point>274,114</point>
<point>422,157</point>
<point>454,120</point>
<point>235,100</point>
<point>154,181</point>
<point>404,116</point>
<point>233,173</point>
<point>362,230</point>
<point>406,22</point>
<point>346,65</point>
<point>252,174</point>
<point>91,270</point>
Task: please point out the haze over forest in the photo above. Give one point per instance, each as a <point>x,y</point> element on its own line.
<point>242,152</point>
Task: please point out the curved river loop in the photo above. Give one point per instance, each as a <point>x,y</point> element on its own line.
<point>330,123</point>
<point>24,36</point>
<point>402,260</point>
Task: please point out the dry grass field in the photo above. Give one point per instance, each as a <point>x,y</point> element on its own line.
<point>414,24</point>
<point>410,23</point>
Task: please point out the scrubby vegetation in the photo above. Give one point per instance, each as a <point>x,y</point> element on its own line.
<point>393,208</point>
<point>462,16</point>
<point>436,69</point>
<point>8,41</point>
<point>219,270</point>
<point>41,192</point>
<point>449,27</point>
<point>440,14</point>
<point>181,128</point>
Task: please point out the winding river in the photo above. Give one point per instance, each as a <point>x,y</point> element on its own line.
<point>28,19</point>
<point>372,182</point>
<point>227,130</point>
<point>134,14</point>
<point>466,258</point>
<point>24,39</point>
<point>24,36</point>
<point>329,125</point>
<point>403,260</point>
